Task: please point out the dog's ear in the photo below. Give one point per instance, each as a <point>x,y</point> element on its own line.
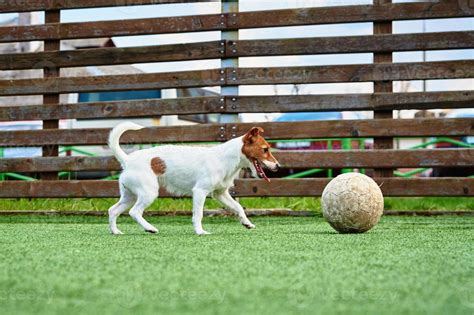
<point>252,134</point>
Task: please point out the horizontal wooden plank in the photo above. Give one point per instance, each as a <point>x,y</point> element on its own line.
<point>353,73</point>
<point>351,44</point>
<point>99,135</point>
<point>143,81</point>
<point>347,102</point>
<point>231,21</point>
<point>219,49</point>
<point>390,187</point>
<point>243,188</point>
<point>376,158</point>
<point>240,104</point>
<point>428,213</point>
<point>243,76</point>
<point>288,159</point>
<point>383,11</point>
<point>115,109</point>
<point>112,56</point>
<point>221,132</point>
<point>53,164</point>
<point>207,213</point>
<point>223,212</point>
<point>113,28</point>
<point>363,128</point>
<point>42,5</point>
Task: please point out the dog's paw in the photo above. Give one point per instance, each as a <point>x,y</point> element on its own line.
<point>202,232</point>
<point>152,231</point>
<point>116,232</point>
<point>248,225</point>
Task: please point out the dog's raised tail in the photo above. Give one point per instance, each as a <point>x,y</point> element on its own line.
<point>114,138</point>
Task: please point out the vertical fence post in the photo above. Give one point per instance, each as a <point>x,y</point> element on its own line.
<point>230,7</point>
<point>383,87</point>
<point>51,71</point>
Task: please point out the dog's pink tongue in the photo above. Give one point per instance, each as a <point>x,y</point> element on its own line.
<point>262,173</point>
<point>265,176</point>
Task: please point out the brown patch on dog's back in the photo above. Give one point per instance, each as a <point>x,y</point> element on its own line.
<point>158,166</point>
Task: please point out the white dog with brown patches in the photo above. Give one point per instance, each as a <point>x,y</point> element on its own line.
<point>186,170</point>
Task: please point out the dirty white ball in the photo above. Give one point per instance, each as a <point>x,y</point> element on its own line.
<point>352,203</point>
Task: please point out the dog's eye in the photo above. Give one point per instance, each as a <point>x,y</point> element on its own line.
<point>265,150</point>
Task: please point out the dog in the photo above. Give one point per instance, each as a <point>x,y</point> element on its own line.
<point>186,170</point>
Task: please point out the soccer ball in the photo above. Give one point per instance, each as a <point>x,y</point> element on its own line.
<point>352,203</point>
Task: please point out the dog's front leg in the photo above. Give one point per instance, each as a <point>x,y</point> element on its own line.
<point>199,198</point>
<point>226,199</point>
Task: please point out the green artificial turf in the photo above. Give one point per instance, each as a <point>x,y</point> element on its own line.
<point>71,265</point>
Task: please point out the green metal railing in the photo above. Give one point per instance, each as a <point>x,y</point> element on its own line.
<point>3,176</point>
<point>76,150</point>
<point>346,144</point>
<point>426,144</point>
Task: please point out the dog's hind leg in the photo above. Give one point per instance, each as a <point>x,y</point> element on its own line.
<point>226,199</point>
<point>137,213</point>
<point>145,197</point>
<point>127,198</point>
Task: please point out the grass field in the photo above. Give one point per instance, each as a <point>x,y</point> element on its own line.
<point>293,203</point>
<point>405,265</point>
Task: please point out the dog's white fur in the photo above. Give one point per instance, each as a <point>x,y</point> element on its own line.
<point>196,171</point>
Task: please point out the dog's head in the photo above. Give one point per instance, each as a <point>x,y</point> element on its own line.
<point>257,151</point>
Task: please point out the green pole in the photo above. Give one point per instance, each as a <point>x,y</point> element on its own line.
<point>20,177</point>
<point>305,173</point>
<point>410,173</point>
<point>362,147</point>
<point>330,172</point>
<point>2,154</point>
<point>346,145</point>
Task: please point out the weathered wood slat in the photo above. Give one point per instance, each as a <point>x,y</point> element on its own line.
<point>345,102</point>
<point>243,188</point>
<point>115,109</point>
<point>390,187</point>
<point>376,158</point>
<point>242,20</point>
<point>207,213</point>
<point>362,128</point>
<point>353,13</point>
<point>113,56</point>
<point>237,104</point>
<point>233,104</point>
<point>221,132</point>
<point>143,81</point>
<point>351,44</point>
<point>179,24</point>
<point>213,213</point>
<point>104,163</point>
<point>99,136</point>
<point>226,213</point>
<point>243,76</point>
<point>219,49</point>
<point>288,159</point>
<point>353,73</point>
<point>42,5</point>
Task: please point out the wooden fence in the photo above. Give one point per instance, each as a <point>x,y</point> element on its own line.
<point>383,128</point>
